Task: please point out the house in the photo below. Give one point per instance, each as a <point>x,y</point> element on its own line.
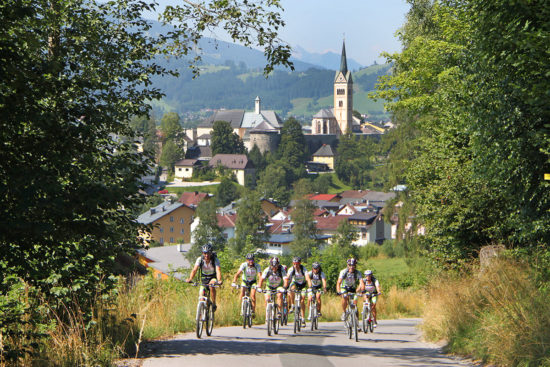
<point>371,227</point>
<point>165,261</point>
<point>204,140</point>
<point>279,243</point>
<point>184,168</point>
<point>324,155</point>
<point>202,153</point>
<point>270,207</point>
<point>227,223</point>
<point>171,223</point>
<point>193,198</point>
<point>237,163</point>
<point>328,225</point>
<point>326,197</point>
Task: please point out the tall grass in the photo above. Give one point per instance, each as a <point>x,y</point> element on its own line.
<point>498,315</point>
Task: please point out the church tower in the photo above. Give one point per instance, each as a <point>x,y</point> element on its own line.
<point>343,95</point>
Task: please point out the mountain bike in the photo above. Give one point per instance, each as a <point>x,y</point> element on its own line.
<point>284,310</point>
<point>246,305</point>
<point>297,310</point>
<point>272,318</point>
<point>351,321</point>
<point>313,313</point>
<point>205,312</point>
<point>368,321</point>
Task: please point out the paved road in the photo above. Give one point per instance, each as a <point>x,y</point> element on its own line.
<point>394,343</point>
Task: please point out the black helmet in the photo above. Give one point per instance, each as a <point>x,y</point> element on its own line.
<point>352,261</point>
<point>316,265</point>
<point>274,261</point>
<point>206,248</point>
<point>250,256</point>
<point>297,259</point>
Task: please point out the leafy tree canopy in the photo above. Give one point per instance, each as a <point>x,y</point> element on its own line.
<point>224,140</point>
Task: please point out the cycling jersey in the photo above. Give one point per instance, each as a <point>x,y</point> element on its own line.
<point>208,270</point>
<point>316,279</point>
<point>350,279</point>
<point>249,272</point>
<point>297,277</point>
<point>274,278</point>
<point>371,286</point>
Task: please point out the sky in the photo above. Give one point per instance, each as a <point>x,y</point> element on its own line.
<point>318,26</point>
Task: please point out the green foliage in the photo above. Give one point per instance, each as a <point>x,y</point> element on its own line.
<point>345,235</point>
<point>224,140</point>
<point>226,192</point>
<point>207,231</point>
<point>304,229</point>
<point>273,184</point>
<point>170,125</point>
<point>322,184</point>
<point>355,159</point>
<point>250,229</point>
<point>293,143</point>
<point>170,154</point>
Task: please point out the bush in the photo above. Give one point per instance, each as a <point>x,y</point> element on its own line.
<point>394,248</point>
<point>368,251</point>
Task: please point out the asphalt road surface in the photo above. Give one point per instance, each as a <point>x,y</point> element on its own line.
<point>393,343</point>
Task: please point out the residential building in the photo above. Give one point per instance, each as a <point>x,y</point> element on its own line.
<point>171,223</point>
<point>193,198</point>
<point>237,163</point>
<point>324,155</point>
<point>184,169</point>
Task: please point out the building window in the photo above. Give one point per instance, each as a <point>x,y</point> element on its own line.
<point>179,169</point>
<point>161,230</point>
<point>171,218</point>
<point>161,240</point>
<point>182,231</point>
<point>182,220</point>
<point>171,239</point>
<point>340,104</point>
<point>187,169</point>
<point>340,92</point>
<point>172,229</point>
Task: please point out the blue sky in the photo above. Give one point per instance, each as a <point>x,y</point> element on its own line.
<point>319,26</point>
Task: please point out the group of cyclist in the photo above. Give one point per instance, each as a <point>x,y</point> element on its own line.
<point>278,278</point>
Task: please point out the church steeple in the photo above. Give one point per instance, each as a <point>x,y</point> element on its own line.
<point>344,61</point>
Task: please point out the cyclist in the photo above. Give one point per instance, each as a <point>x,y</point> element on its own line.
<point>274,275</point>
<point>249,270</point>
<point>373,287</point>
<point>348,279</point>
<point>318,280</point>
<point>298,278</point>
<point>209,266</point>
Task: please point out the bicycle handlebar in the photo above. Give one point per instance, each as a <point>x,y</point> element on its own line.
<point>195,284</point>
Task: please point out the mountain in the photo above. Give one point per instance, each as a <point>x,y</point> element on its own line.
<point>328,60</point>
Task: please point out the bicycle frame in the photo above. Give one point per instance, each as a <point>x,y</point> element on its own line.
<point>205,312</point>
<point>271,318</point>
<point>313,309</point>
<point>246,305</point>
<point>351,322</point>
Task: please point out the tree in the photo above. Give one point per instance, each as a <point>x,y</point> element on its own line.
<point>250,229</point>
<point>224,140</point>
<point>207,231</point>
<point>304,229</point>
<point>170,154</point>
<point>293,147</point>
<point>346,234</point>
<point>226,192</point>
<point>272,184</point>
<point>170,125</point>
<point>257,159</point>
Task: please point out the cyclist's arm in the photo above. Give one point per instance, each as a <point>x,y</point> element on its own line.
<point>261,281</point>
<point>193,272</point>
<point>361,285</point>
<point>324,284</point>
<point>219,274</point>
<point>378,289</point>
<point>338,285</point>
<point>286,281</point>
<point>236,276</point>
<point>308,280</point>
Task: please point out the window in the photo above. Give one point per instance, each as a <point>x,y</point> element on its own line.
<point>171,239</point>
<point>161,230</point>
<point>161,240</point>
<point>340,91</point>
<point>182,221</point>
<point>179,169</point>
<point>172,229</point>
<point>182,231</point>
<point>187,169</point>
<point>171,218</point>
<point>340,104</point>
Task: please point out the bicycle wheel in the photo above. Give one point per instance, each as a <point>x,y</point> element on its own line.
<point>244,310</point>
<point>276,319</point>
<point>209,320</point>
<point>249,313</point>
<point>200,318</point>
<point>268,318</point>
<point>313,315</point>
<point>297,321</point>
<point>365,318</point>
<point>355,326</point>
<point>349,323</point>
<point>371,324</point>
<point>284,314</point>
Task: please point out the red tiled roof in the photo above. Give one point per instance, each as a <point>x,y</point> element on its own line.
<point>226,220</point>
<point>326,197</point>
<point>277,226</point>
<point>192,198</point>
<point>319,212</point>
<point>330,223</point>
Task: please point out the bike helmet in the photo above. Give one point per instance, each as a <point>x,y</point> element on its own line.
<point>250,256</point>
<point>207,248</point>
<point>274,261</point>
<point>297,259</point>
<point>316,265</point>
<point>368,272</point>
<point>352,262</point>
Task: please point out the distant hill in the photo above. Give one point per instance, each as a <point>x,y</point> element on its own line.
<point>328,60</point>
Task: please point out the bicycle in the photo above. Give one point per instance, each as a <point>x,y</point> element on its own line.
<point>351,321</point>
<point>284,310</point>
<point>205,312</point>
<point>272,319</point>
<point>246,305</point>
<point>297,311</point>
<point>368,321</point>
<point>313,313</point>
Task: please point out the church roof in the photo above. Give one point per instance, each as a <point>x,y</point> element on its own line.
<point>263,127</point>
<point>325,113</point>
<point>324,151</point>
<point>252,119</point>
<point>234,117</point>
<point>344,65</point>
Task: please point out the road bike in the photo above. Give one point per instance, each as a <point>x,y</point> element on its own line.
<point>313,313</point>
<point>205,311</point>
<point>351,321</point>
<point>297,310</point>
<point>272,318</point>
<point>246,305</point>
<point>368,321</point>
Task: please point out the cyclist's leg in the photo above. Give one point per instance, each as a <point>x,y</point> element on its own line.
<point>253,299</point>
<point>318,295</point>
<point>291,296</point>
<point>280,298</point>
<point>302,301</point>
<point>373,303</point>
